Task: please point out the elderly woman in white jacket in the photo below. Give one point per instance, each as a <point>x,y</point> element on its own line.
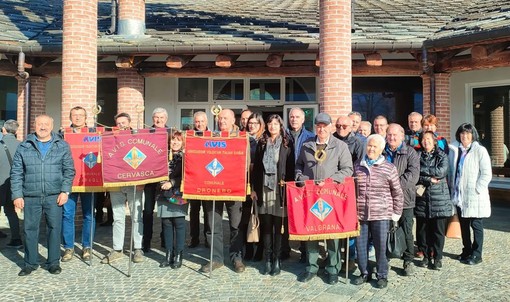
<point>470,174</point>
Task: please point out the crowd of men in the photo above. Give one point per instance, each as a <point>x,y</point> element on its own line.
<point>42,173</point>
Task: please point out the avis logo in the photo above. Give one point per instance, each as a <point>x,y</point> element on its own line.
<point>92,139</point>
<point>215,144</point>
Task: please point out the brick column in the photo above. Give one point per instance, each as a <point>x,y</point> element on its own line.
<point>497,136</point>
<point>79,60</point>
<point>443,104</point>
<point>37,103</point>
<point>426,94</point>
<point>130,92</point>
<point>131,18</point>
<point>335,57</point>
<point>20,115</point>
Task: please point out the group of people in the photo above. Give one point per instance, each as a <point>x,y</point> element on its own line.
<point>401,175</point>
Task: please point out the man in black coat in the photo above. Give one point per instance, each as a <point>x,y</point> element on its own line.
<point>407,162</point>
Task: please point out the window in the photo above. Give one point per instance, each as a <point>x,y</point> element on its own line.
<point>8,98</point>
<point>265,89</point>
<point>193,90</point>
<point>491,109</point>
<point>187,118</point>
<point>107,99</point>
<point>228,89</point>
<point>300,89</point>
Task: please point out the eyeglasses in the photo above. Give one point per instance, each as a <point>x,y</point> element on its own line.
<point>342,126</point>
<point>253,123</point>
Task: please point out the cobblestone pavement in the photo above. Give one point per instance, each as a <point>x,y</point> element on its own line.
<point>80,281</point>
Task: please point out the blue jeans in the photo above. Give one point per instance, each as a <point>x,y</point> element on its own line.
<point>34,207</point>
<point>68,228</point>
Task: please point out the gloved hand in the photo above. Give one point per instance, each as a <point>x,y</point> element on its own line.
<point>300,182</point>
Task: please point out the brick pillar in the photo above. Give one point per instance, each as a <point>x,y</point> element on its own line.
<point>335,57</point>
<point>497,136</point>
<point>130,92</point>
<point>443,104</point>
<point>38,97</point>
<point>426,94</point>
<point>20,115</point>
<point>79,60</point>
<point>131,18</point>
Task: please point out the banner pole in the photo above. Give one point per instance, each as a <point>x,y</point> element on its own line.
<point>95,111</point>
<point>346,261</point>
<point>212,238</point>
<point>131,210</point>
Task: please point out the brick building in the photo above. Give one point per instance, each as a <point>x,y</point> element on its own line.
<point>450,58</point>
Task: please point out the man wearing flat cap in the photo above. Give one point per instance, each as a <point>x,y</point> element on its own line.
<point>321,157</point>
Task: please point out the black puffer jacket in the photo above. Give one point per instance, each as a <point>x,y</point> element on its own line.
<point>435,202</point>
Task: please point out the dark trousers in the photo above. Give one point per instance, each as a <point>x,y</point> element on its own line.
<point>148,211</point>
<point>34,208</point>
<point>406,222</point>
<point>100,199</point>
<point>333,262</point>
<point>175,233</point>
<point>10,212</point>
<point>272,235</point>
<point>234,211</point>
<point>194,220</point>
<point>379,231</point>
<point>474,247</point>
<point>434,230</point>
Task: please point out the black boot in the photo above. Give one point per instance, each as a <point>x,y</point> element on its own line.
<point>276,267</point>
<point>267,267</point>
<point>177,260</point>
<point>169,260</point>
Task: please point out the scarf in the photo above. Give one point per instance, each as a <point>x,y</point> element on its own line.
<point>270,161</point>
<point>457,195</point>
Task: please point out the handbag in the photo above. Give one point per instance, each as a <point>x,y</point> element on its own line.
<point>453,230</point>
<point>253,233</point>
<point>174,196</point>
<point>395,243</point>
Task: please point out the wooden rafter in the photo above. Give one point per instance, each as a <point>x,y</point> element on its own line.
<point>481,52</point>
<point>274,60</point>
<point>373,59</point>
<point>178,62</point>
<point>225,61</point>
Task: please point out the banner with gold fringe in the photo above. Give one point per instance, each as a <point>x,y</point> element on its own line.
<point>215,167</point>
<point>85,146</point>
<point>322,212</point>
<point>134,157</point>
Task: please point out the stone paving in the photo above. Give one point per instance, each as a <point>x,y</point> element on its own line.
<point>80,281</point>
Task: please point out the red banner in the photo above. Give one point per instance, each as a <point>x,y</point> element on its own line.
<point>326,212</point>
<point>85,148</point>
<point>134,158</point>
<point>215,168</point>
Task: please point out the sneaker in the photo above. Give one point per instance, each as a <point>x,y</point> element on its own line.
<point>361,279</point>
<point>438,264</point>
<point>382,283</point>
<point>424,262</point>
<point>408,268</point>
<point>15,243</point>
<point>239,267</point>
<point>112,256</point>
<point>138,256</point>
<point>86,254</point>
<point>68,255</point>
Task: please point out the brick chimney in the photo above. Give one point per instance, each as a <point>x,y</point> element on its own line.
<point>131,18</point>
<point>335,57</point>
<point>79,58</point>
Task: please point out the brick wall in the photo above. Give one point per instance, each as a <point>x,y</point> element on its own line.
<point>79,60</point>
<point>442,102</point>
<point>130,92</point>
<point>497,136</point>
<point>335,57</point>
<point>37,103</point>
<point>20,116</point>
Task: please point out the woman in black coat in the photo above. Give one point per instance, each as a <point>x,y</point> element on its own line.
<point>273,163</point>
<point>433,207</point>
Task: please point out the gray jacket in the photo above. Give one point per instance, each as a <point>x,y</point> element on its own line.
<point>5,167</point>
<point>337,165</point>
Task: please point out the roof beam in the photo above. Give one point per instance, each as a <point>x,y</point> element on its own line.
<point>225,61</point>
<point>274,60</point>
<point>177,62</point>
<point>480,52</point>
<point>373,59</point>
<point>129,62</point>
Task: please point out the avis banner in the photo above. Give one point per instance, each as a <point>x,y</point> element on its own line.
<point>215,167</point>
<point>131,158</point>
<point>85,148</point>
<point>322,212</point>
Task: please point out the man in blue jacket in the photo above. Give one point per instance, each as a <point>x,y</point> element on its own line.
<point>41,178</point>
